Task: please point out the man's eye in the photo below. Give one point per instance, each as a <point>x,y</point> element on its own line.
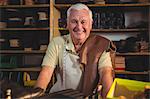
<point>83,22</point>
<point>73,21</point>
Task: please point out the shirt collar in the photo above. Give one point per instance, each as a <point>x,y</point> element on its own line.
<point>69,44</point>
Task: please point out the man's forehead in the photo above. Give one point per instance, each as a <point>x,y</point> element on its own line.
<point>79,11</point>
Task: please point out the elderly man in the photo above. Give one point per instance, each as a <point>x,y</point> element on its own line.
<point>81,59</point>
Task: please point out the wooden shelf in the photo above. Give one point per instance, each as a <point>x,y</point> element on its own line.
<point>119,30</point>
<point>60,6</point>
<point>21,52</point>
<point>112,30</point>
<point>29,69</point>
<point>25,6</point>
<point>36,69</point>
<point>133,54</point>
<point>132,73</point>
<point>23,29</point>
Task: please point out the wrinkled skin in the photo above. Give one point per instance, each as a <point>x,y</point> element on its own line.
<point>79,25</point>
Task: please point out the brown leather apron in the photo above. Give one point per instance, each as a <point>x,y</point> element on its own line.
<point>90,54</point>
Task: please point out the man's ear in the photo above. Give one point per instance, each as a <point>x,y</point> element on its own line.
<point>92,24</point>
<point>67,25</point>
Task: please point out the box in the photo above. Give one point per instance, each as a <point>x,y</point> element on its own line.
<point>27,80</point>
<point>119,63</point>
<point>127,88</point>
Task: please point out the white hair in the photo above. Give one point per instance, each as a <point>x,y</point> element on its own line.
<point>79,6</point>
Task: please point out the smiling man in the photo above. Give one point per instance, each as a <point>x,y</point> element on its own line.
<point>82,60</point>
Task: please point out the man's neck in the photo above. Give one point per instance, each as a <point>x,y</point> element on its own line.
<point>78,44</point>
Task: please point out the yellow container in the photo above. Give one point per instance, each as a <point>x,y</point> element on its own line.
<point>27,80</point>
<point>126,88</point>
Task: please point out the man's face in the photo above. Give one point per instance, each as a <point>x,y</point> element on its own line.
<point>79,24</point>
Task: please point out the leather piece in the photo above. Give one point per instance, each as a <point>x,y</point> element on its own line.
<point>112,49</point>
<point>89,55</point>
<point>63,94</point>
<point>31,93</point>
<point>18,91</point>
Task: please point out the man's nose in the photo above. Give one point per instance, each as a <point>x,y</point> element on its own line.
<point>79,26</point>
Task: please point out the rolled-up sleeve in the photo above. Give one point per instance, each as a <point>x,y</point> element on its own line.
<point>51,56</point>
<point>105,60</point>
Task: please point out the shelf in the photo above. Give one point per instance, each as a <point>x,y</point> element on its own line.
<point>131,73</point>
<point>113,30</point>
<point>25,6</point>
<point>119,30</point>
<point>29,69</point>
<point>93,30</point>
<point>133,54</point>
<point>60,6</point>
<point>36,69</point>
<point>23,29</point>
<point>21,52</point>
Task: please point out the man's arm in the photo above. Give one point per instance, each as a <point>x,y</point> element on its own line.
<point>44,77</point>
<point>106,78</point>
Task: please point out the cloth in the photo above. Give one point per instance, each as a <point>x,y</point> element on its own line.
<point>89,54</point>
<point>62,53</point>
